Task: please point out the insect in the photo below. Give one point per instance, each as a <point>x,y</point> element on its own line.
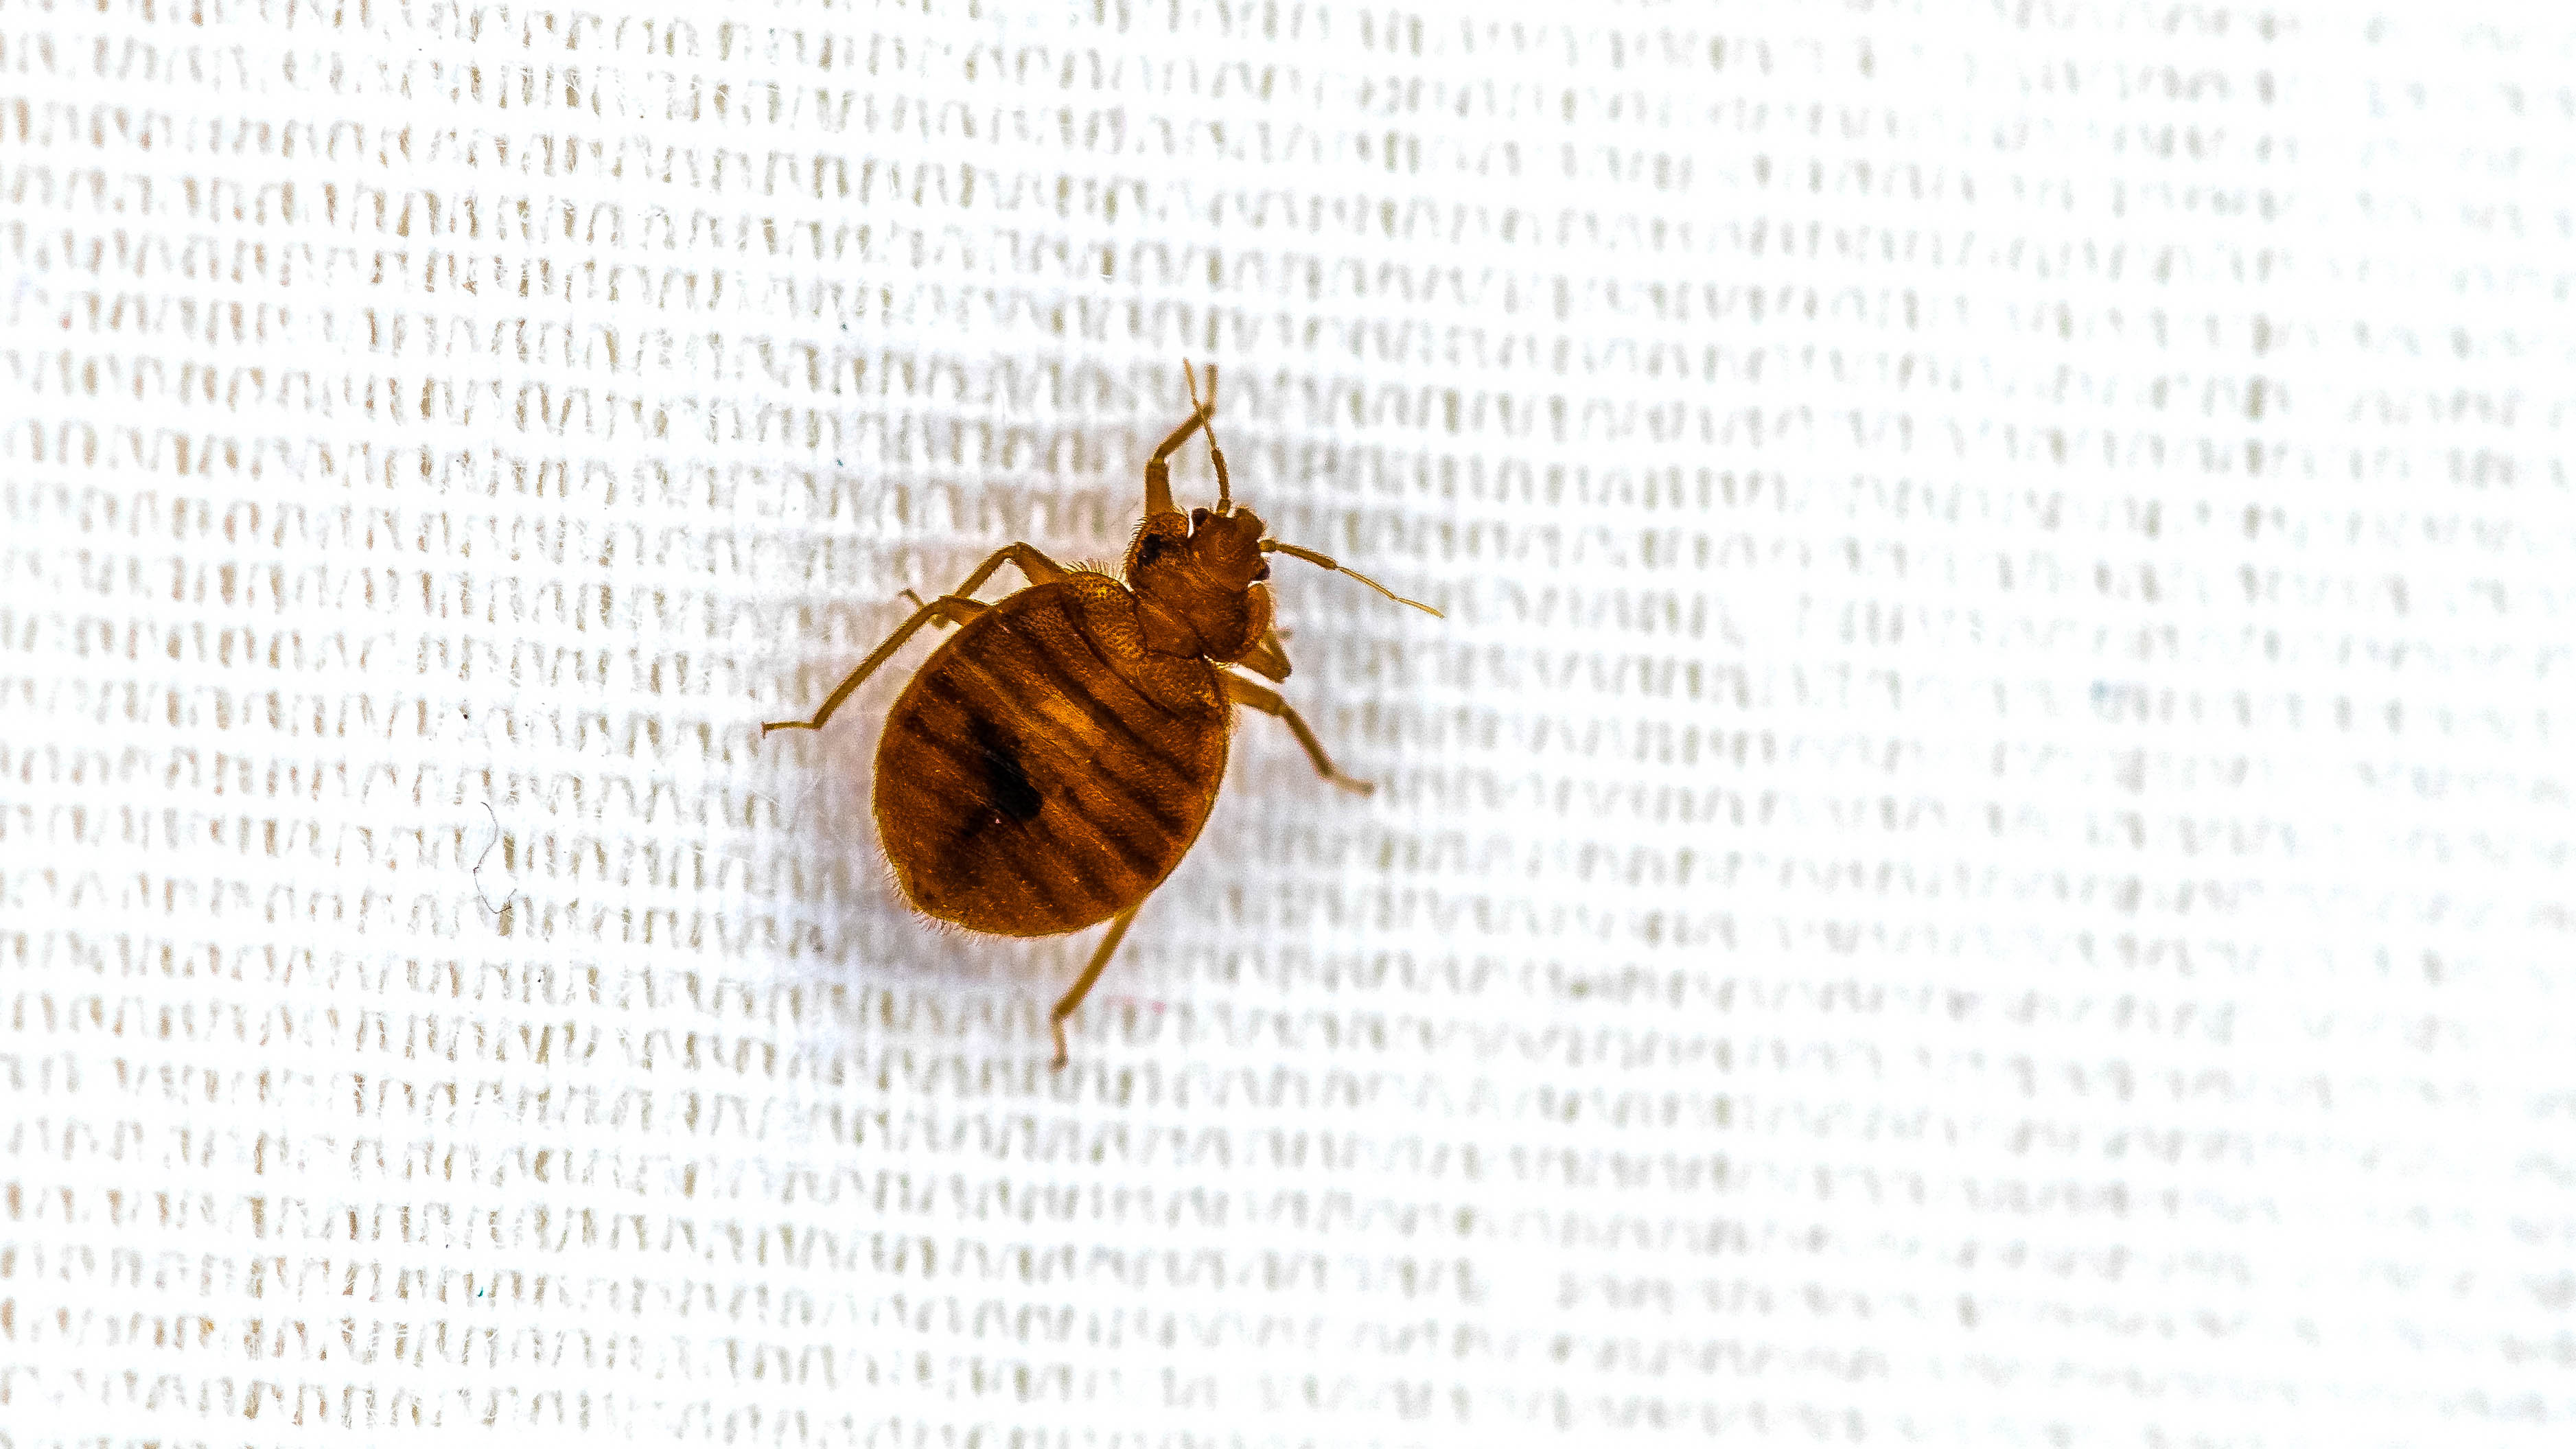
<point>1052,761</point>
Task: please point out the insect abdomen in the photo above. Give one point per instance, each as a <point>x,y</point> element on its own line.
<point>1041,773</point>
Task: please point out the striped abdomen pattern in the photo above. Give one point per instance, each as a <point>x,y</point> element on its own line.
<point>1042,772</point>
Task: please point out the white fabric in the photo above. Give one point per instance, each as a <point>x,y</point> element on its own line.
<point>1981,857</point>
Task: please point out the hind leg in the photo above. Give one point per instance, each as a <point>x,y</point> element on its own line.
<point>1072,1000</point>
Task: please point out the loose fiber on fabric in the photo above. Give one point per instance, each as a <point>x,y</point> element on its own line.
<point>1981,857</point>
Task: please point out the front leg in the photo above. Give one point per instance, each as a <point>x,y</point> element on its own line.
<point>1158,468</point>
<point>1265,699</point>
<point>1267,658</point>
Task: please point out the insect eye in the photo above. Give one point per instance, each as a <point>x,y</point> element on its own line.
<point>1198,517</point>
<point>1262,573</point>
<point>1149,550</point>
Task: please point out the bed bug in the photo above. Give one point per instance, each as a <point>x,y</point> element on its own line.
<point>1051,762</point>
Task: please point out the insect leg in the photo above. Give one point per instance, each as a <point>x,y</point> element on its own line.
<point>939,621</point>
<point>1035,566</point>
<point>1266,658</point>
<point>1091,973</point>
<point>1265,699</point>
<point>952,610</point>
<point>956,608</point>
<point>1158,468</point>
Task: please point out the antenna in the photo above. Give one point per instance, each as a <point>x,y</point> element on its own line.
<point>1272,545</point>
<point>1207,414</point>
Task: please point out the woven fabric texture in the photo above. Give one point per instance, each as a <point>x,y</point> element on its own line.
<point>1981,857</point>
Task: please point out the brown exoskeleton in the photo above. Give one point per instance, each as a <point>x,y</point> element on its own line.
<point>1052,762</point>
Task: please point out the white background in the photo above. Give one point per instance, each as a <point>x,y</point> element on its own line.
<point>1982,856</point>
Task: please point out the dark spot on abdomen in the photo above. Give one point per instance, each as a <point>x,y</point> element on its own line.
<point>1006,781</point>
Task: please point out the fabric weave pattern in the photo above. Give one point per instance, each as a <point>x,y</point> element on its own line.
<point>1981,856</point>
